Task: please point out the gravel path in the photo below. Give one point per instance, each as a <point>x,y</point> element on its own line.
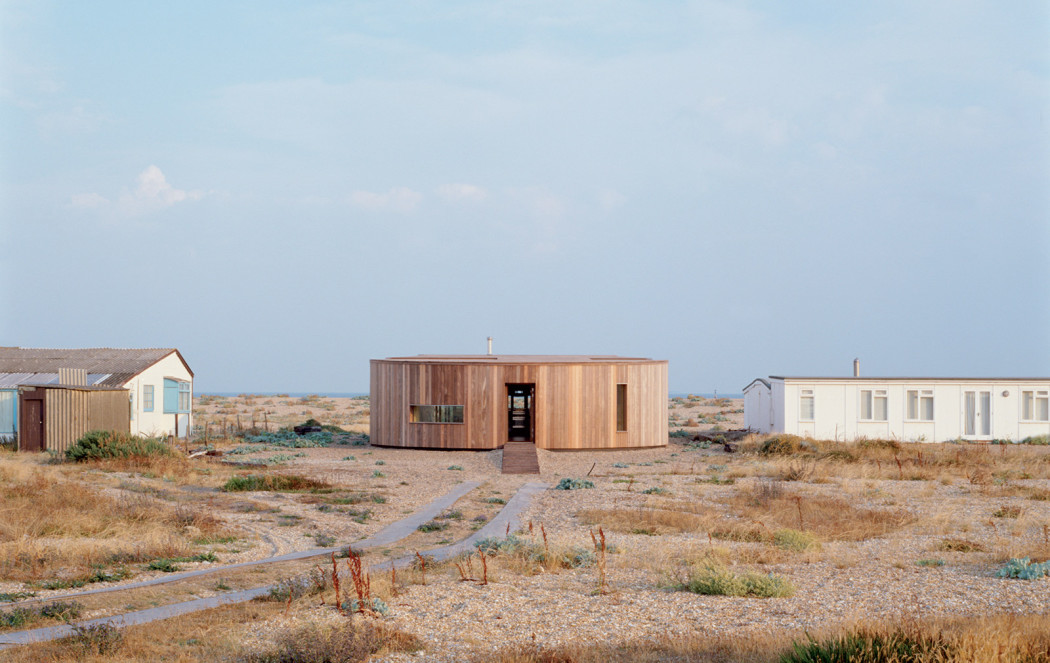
<point>509,515</point>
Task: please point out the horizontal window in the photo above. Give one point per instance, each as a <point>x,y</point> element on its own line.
<point>435,414</point>
<point>1035,405</point>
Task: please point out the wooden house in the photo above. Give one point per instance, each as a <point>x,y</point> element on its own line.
<point>559,402</point>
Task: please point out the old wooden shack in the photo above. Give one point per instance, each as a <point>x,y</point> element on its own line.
<point>559,402</point>
<point>53,417</point>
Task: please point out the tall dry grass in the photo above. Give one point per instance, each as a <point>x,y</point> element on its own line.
<point>1003,638</point>
<point>54,528</point>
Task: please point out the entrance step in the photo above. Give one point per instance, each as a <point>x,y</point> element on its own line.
<point>520,458</point>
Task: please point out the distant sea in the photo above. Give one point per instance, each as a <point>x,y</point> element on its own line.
<point>290,394</point>
<point>351,394</point>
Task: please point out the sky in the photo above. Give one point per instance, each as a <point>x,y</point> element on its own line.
<point>284,191</point>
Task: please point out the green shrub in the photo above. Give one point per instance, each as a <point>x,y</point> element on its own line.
<point>863,647</point>
<point>1037,439</point>
<point>495,500</point>
<point>99,639</point>
<point>457,468</point>
<point>930,562</point>
<point>100,445</point>
<point>18,617</point>
<point>656,490</point>
<point>165,565</point>
<point>573,484</point>
<point>1024,569</point>
<point>432,526</point>
<point>712,579</point>
<point>794,540</point>
<point>272,482</point>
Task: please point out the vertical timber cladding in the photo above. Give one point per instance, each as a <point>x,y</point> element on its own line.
<point>70,412</point>
<point>574,403</point>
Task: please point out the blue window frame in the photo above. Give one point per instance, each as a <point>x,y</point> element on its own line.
<point>184,397</point>
<point>176,396</point>
<point>147,398</point>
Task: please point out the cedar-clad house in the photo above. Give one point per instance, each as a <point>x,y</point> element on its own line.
<point>559,402</point>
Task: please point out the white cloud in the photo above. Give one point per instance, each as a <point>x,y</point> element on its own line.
<point>152,193</point>
<point>399,199</point>
<point>462,192</point>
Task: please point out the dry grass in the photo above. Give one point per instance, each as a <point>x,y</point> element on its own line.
<point>829,518</point>
<point>53,528</point>
<point>757,510</point>
<point>1005,638</point>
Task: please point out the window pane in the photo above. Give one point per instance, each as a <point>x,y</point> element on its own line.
<point>880,408</point>
<point>913,405</point>
<point>807,408</point>
<point>435,414</point>
<point>1042,408</point>
<point>621,407</point>
<point>865,404</point>
<point>1027,399</point>
<point>927,408</point>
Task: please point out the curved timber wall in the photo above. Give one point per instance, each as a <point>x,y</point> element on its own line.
<point>575,401</point>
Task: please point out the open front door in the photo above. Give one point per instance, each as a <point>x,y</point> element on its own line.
<point>519,412</point>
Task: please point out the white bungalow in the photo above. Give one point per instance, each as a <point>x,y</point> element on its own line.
<point>907,409</point>
<point>158,380</point>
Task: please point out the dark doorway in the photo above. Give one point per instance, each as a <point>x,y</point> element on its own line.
<point>519,412</point>
<point>31,435</point>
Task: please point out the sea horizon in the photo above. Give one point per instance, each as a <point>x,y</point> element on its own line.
<point>353,394</point>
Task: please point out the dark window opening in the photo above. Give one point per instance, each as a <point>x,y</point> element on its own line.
<point>621,408</point>
<point>435,414</point>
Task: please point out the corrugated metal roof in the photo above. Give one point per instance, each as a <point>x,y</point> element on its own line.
<point>523,359</point>
<point>108,366</point>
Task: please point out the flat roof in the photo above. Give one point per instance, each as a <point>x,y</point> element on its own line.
<point>885,379</point>
<point>523,359</point>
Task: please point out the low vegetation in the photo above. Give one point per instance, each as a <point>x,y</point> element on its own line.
<point>274,482</point>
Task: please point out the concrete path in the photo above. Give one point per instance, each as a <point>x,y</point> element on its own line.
<point>510,514</point>
<point>392,532</point>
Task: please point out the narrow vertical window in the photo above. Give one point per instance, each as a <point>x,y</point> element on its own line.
<point>807,408</point>
<point>147,398</point>
<point>184,397</point>
<point>865,404</point>
<point>621,408</point>
<point>881,405</point>
<point>926,404</point>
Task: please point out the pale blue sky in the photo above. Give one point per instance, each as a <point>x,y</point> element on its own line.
<point>285,190</point>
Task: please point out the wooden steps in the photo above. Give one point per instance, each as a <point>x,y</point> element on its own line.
<point>520,458</point>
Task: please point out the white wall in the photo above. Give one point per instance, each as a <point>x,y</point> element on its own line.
<point>837,409</point>
<point>157,422</point>
<point>758,407</point>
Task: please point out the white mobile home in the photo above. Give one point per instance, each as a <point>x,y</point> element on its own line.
<point>159,383</point>
<point>908,409</point>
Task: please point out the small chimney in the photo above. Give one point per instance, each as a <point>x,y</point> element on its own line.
<point>72,376</point>
<point>856,368</point>
<point>490,345</point>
